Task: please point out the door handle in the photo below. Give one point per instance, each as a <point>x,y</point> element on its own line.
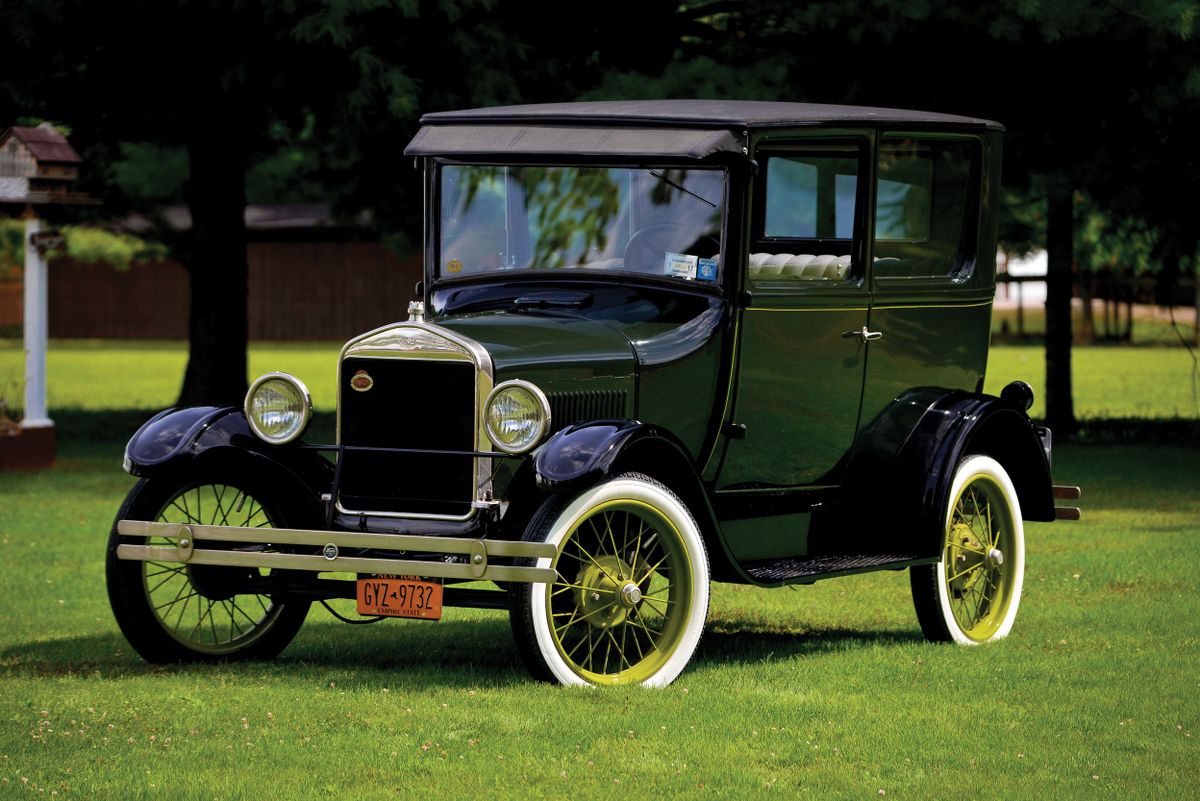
<point>865,334</point>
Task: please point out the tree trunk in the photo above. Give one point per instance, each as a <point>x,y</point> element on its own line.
<point>1060,230</point>
<point>1087,324</point>
<point>217,267</point>
<point>1196,305</point>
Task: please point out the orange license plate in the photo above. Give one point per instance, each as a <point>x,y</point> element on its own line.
<point>400,597</point>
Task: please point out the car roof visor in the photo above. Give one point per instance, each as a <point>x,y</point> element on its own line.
<point>571,140</point>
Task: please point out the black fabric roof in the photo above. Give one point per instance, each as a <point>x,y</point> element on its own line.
<point>699,113</point>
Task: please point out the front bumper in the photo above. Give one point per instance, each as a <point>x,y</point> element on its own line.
<point>469,558</point>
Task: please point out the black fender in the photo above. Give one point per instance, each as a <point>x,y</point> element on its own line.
<point>904,463</point>
<point>178,442</point>
<point>586,453</point>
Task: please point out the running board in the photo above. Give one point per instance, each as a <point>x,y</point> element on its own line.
<point>805,571</point>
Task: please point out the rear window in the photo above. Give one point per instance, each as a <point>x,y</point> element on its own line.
<point>926,201</point>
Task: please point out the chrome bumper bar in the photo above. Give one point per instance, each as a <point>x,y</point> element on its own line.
<point>477,566</point>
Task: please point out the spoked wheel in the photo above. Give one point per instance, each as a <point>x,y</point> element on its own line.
<point>632,591</point>
<point>171,611</point>
<point>971,595</point>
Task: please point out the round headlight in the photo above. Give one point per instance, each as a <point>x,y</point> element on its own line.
<point>517,416</point>
<point>278,407</point>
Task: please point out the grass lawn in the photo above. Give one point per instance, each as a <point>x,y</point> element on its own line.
<point>819,692</point>
<point>1109,381</point>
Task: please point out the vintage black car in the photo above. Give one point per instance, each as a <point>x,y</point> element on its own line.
<point>658,344</point>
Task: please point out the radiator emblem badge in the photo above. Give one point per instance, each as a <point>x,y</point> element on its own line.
<point>361,381</point>
<point>330,551</point>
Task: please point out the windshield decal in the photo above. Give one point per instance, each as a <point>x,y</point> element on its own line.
<point>680,265</point>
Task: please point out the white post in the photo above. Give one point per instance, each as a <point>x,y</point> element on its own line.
<point>36,330</point>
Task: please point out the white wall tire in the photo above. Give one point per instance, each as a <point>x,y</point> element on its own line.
<point>632,596</point>
<point>971,595</point>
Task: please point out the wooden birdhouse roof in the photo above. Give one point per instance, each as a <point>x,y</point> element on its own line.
<point>45,143</point>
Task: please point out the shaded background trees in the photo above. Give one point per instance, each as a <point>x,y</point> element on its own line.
<point>214,103</point>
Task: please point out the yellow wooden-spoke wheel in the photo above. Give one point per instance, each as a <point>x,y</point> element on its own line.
<point>971,595</point>
<point>629,603</point>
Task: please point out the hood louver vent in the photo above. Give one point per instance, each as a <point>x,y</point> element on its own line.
<point>576,407</point>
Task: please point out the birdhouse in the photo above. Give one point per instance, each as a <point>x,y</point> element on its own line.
<point>37,165</point>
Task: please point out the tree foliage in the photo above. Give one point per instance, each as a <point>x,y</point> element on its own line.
<point>217,102</point>
<point>83,243</point>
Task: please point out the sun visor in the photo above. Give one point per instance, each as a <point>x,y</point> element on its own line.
<point>572,140</point>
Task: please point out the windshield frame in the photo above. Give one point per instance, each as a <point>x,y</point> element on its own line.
<point>435,277</point>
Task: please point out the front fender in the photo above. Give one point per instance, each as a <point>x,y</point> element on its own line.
<point>584,453</point>
<point>169,437</point>
<point>189,440</point>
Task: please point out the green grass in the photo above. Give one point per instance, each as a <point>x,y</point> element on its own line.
<point>1107,381</point>
<point>819,692</point>
<point>81,374</point>
<point>120,374</point>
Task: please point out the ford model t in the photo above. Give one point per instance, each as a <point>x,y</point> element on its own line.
<point>658,344</point>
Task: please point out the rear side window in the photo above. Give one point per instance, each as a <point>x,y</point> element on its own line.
<point>926,201</point>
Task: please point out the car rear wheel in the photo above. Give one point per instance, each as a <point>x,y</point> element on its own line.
<point>176,612</point>
<point>971,595</point>
<point>632,592</point>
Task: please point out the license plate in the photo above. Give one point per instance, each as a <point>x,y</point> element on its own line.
<point>400,597</point>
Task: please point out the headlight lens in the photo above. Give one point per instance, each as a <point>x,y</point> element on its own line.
<point>278,407</point>
<point>517,416</point>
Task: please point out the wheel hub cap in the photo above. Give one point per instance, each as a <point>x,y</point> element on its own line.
<point>631,594</point>
<point>606,592</point>
<point>966,553</point>
<point>995,557</point>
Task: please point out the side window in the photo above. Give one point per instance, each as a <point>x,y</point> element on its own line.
<point>925,217</point>
<point>809,206</point>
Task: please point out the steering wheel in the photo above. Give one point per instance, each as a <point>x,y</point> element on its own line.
<point>648,248</point>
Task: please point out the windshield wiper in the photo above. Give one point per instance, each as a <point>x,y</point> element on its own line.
<point>552,300</point>
<point>683,189</point>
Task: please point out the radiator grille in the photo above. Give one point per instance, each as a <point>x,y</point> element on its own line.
<point>411,403</point>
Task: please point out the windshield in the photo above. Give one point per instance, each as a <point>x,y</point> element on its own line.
<point>651,221</point>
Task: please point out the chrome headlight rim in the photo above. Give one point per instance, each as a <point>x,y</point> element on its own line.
<point>543,408</point>
<point>307,410</point>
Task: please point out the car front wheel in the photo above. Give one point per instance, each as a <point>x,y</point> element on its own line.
<point>631,597</point>
<point>971,595</point>
<point>177,612</point>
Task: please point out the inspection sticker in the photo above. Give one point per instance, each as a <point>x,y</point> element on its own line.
<point>680,265</point>
<point>706,269</point>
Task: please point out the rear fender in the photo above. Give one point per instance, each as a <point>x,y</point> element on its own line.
<point>906,459</point>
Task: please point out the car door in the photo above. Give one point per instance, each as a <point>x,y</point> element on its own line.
<point>933,266</point>
<point>800,347</point>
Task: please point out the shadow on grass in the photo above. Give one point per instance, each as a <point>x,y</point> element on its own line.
<point>459,653</point>
<point>730,642</point>
<point>463,653</point>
